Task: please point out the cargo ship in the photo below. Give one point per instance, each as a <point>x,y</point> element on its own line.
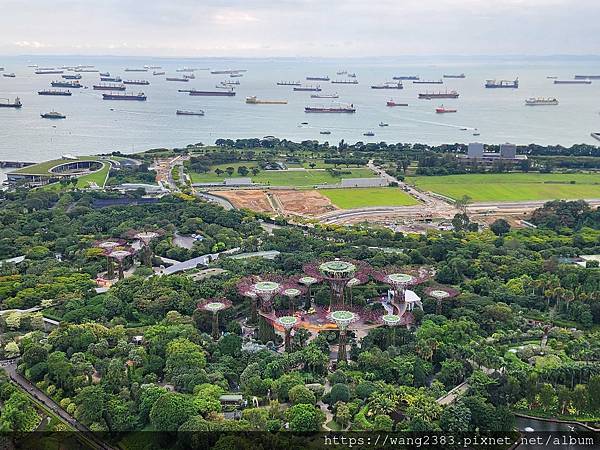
<point>189,76</point>
<point>330,109</point>
<point>137,82</point>
<point>54,92</point>
<point>431,95</point>
<point>49,71</point>
<point>66,84</point>
<point>185,80</point>
<point>388,85</point>
<point>393,103</point>
<point>227,72</point>
<point>9,75</point>
<point>428,81</point>
<point>461,75</point>
<point>406,77</point>
<point>229,93</point>
<point>587,77</point>
<point>109,87</point>
<point>235,75</point>
<point>541,101</point>
<point>368,133</point>
<point>342,72</point>
<point>353,81</point>
<point>111,79</point>
<point>181,112</point>
<point>72,77</point>
<point>105,74</point>
<point>136,70</point>
<point>140,96</point>
<point>502,84</point>
<point>308,88</point>
<point>16,104</point>
<point>185,69</point>
<point>252,100</point>
<point>84,70</point>
<point>442,109</point>
<point>152,67</point>
<point>230,83</point>
<point>352,75</point>
<point>324,96</point>
<point>157,73</point>
<point>572,81</point>
<point>53,115</point>
<point>289,83</point>
<point>325,78</point>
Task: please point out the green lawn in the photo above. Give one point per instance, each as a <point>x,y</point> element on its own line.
<point>98,177</point>
<point>512,186</point>
<point>43,167</point>
<point>287,177</point>
<point>348,198</point>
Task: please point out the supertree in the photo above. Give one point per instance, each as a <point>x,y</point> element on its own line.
<point>120,255</point>
<point>440,293</point>
<point>292,290</point>
<point>308,282</point>
<point>214,306</point>
<point>343,319</point>
<point>287,322</point>
<point>359,278</point>
<point>244,288</point>
<point>145,237</point>
<point>400,279</point>
<point>108,247</point>
<point>265,288</point>
<point>392,321</point>
<point>337,273</point>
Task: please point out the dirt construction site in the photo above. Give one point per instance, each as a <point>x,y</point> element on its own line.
<point>282,201</point>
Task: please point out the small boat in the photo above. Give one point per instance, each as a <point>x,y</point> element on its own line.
<point>16,104</point>
<point>551,77</point>
<point>476,132</point>
<point>369,133</point>
<point>393,103</point>
<point>181,112</point>
<point>342,72</point>
<point>352,75</point>
<point>383,124</point>
<point>303,123</point>
<point>236,75</point>
<point>9,75</point>
<point>442,109</point>
<point>53,115</point>
<point>158,73</point>
<point>104,74</point>
<point>189,76</point>
<point>463,129</point>
<point>325,132</point>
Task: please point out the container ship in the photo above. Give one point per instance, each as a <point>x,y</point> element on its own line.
<point>393,103</point>
<point>506,84</point>
<point>252,100</point>
<point>308,88</point>
<point>181,112</point>
<point>353,81</point>
<point>432,95</point>
<point>289,83</point>
<point>317,78</point>
<point>572,81</point>
<point>137,82</point>
<point>49,71</point>
<point>111,79</point>
<point>54,92</point>
<point>53,115</point>
<point>540,101</point>
<point>388,85</point>
<point>140,96</point>
<point>324,96</point>
<point>185,80</point>
<point>229,93</point>
<point>66,84</point>
<point>72,77</point>
<point>428,81</point>
<point>16,104</point>
<point>442,110</point>
<point>405,77</point>
<point>109,87</point>
<point>461,75</point>
<point>587,77</point>
<point>330,109</point>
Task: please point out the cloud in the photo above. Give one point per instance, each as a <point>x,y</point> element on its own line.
<point>29,44</point>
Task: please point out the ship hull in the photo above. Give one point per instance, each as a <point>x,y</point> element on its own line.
<point>211,94</point>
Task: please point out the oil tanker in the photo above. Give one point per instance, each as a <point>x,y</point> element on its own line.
<point>582,81</point>
<point>55,92</point>
<point>137,82</point>
<point>109,87</point>
<point>230,93</point>
<point>405,77</point>
<point>397,85</point>
<point>308,88</point>
<point>140,96</point>
<point>431,95</point>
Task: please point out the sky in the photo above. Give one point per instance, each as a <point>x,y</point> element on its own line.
<point>320,28</point>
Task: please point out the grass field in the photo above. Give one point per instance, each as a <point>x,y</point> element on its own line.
<point>287,177</point>
<point>513,186</point>
<point>362,197</point>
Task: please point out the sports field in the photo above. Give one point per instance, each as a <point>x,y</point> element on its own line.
<point>349,198</point>
<point>287,177</point>
<point>512,186</point>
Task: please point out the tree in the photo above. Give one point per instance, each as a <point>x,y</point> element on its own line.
<point>342,414</point>
<point>300,394</point>
<point>500,227</point>
<point>11,350</point>
<point>18,414</point>
<point>339,393</point>
<point>286,382</point>
<point>305,417</point>
<point>171,410</point>
<point>91,405</point>
<point>455,419</point>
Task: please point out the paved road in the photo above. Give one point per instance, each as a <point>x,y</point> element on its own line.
<point>37,394</point>
<point>192,263</point>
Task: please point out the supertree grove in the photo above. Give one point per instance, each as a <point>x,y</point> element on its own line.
<point>337,273</point>
<point>214,306</point>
